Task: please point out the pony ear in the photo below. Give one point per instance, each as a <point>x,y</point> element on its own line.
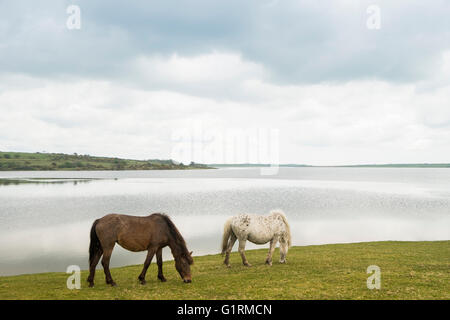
<point>191,261</point>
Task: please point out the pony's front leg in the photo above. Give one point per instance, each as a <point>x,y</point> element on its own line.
<point>273,244</point>
<point>241,251</point>
<point>159,261</point>
<point>148,260</point>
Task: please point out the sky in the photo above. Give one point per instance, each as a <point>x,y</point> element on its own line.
<point>310,82</point>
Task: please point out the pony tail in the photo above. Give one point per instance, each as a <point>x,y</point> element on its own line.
<point>288,228</point>
<point>226,235</point>
<point>94,245</point>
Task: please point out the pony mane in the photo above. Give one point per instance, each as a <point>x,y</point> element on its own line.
<point>178,238</point>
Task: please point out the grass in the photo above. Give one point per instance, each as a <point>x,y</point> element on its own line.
<point>59,161</point>
<point>409,270</point>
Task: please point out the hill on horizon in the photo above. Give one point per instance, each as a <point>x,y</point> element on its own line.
<point>10,161</point>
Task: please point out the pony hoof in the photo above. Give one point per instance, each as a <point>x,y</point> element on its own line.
<point>162,279</point>
<point>269,263</point>
<point>247,264</point>
<point>142,282</point>
<point>112,283</point>
<point>91,284</point>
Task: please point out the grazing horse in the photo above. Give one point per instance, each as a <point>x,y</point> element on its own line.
<point>257,229</point>
<point>150,234</point>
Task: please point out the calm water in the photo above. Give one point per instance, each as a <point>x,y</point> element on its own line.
<point>45,223</point>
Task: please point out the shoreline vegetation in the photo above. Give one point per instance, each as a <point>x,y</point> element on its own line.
<point>408,270</point>
<point>42,161</point>
<point>24,161</point>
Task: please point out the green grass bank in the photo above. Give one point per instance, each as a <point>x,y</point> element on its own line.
<point>409,270</point>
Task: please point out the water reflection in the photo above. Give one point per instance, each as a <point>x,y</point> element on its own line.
<point>44,224</point>
<point>19,181</point>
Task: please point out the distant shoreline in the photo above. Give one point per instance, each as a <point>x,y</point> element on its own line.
<point>406,165</point>
<point>24,161</point>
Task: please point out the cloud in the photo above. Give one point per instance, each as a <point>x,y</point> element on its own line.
<point>213,74</point>
<point>296,41</point>
<point>337,91</point>
<point>360,121</point>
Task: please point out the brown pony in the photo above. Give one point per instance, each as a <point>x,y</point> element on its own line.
<point>151,233</point>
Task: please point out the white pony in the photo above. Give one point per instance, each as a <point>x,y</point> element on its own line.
<point>259,230</point>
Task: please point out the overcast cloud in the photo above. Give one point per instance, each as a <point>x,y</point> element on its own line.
<point>136,71</point>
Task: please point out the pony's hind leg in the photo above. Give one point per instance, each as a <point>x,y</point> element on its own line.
<point>159,261</point>
<point>148,260</point>
<point>229,248</point>
<point>105,263</point>
<point>92,267</point>
<point>273,244</point>
<point>242,252</point>
<point>283,250</point>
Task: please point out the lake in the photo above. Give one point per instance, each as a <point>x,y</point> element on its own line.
<point>45,217</point>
